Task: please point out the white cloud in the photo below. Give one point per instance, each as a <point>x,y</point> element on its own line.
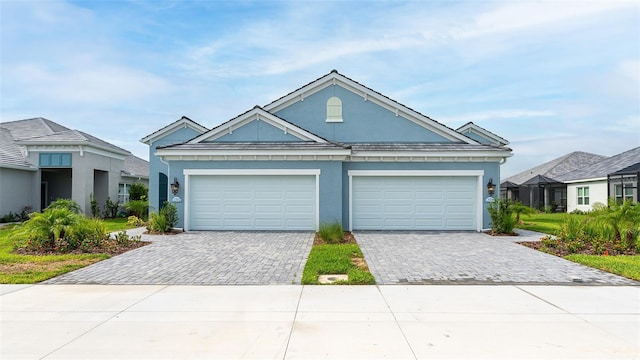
<point>497,115</point>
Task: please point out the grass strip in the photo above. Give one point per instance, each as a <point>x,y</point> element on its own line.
<point>336,259</point>
<point>623,265</point>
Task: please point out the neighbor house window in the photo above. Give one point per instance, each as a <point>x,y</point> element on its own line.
<point>123,193</point>
<point>583,195</point>
<point>334,109</point>
<point>55,160</point>
<point>627,194</point>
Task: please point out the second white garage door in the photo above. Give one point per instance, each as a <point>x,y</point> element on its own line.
<point>414,202</point>
<point>252,202</point>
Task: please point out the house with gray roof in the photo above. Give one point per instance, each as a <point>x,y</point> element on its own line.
<point>614,177</point>
<point>41,161</point>
<point>330,151</point>
<point>539,187</point>
<point>576,181</point>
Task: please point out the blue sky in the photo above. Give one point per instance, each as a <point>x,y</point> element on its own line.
<point>551,77</point>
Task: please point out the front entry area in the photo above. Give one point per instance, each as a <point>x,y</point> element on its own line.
<point>251,200</point>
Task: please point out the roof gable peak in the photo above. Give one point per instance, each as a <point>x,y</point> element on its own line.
<point>183,122</point>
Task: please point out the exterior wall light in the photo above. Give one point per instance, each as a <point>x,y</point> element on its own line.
<point>175,186</point>
<point>491,188</point>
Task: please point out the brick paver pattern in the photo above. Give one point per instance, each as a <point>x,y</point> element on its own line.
<point>204,258</point>
<point>469,258</point>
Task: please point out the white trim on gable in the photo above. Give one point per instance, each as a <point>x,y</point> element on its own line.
<point>256,114</point>
<point>181,123</point>
<point>480,131</point>
<point>335,78</point>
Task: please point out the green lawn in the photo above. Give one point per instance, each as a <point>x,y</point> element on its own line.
<point>335,259</point>
<point>627,266</point>
<point>623,265</point>
<point>544,223</point>
<point>29,269</point>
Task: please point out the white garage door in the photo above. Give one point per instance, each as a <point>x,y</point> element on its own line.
<point>252,202</point>
<point>414,203</point>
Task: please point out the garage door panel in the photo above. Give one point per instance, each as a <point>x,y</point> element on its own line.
<point>414,203</point>
<point>252,202</point>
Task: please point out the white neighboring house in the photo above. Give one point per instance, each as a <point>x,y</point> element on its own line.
<point>41,161</point>
<point>595,183</point>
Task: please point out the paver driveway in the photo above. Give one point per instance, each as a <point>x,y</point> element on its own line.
<point>469,258</point>
<point>204,258</point>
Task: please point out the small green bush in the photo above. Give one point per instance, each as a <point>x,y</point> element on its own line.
<point>501,213</point>
<point>95,207</point>
<point>65,204</point>
<point>10,217</point>
<point>170,212</point>
<point>139,208</point>
<point>331,233</point>
<point>123,239</point>
<point>134,221</point>
<point>158,223</point>
<point>110,208</point>
<point>138,191</point>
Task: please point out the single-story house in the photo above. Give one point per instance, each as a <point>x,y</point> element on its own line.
<point>614,177</point>
<point>41,161</point>
<point>539,186</point>
<point>332,150</point>
<point>576,181</point>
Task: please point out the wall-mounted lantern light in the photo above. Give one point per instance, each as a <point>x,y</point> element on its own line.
<point>491,188</point>
<point>175,186</point>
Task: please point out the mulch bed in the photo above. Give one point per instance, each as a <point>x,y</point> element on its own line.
<point>109,247</point>
<point>561,251</point>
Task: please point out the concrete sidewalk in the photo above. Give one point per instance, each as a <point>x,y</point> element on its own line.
<point>332,322</point>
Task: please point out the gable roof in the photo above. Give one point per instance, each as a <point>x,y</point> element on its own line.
<point>35,127</point>
<point>493,138</point>
<point>257,114</point>
<point>183,122</point>
<point>601,169</point>
<point>556,167</point>
<point>633,169</point>
<point>368,94</point>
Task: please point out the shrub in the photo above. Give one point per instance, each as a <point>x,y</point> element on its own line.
<point>67,204</point>
<point>170,212</point>
<point>95,207</point>
<point>123,239</point>
<point>110,208</point>
<point>501,213</point>
<point>10,217</point>
<point>331,233</point>
<point>158,223</point>
<point>43,229</point>
<point>139,208</point>
<point>138,191</point>
<point>134,221</point>
<point>519,209</point>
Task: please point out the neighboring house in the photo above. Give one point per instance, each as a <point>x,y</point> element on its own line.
<point>613,177</point>
<point>333,150</point>
<point>41,161</point>
<point>540,187</point>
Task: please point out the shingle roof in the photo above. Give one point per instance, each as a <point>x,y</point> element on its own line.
<point>11,154</point>
<point>555,168</point>
<point>15,134</point>
<point>628,170</point>
<point>136,167</point>
<point>423,147</point>
<point>602,168</point>
<point>27,128</point>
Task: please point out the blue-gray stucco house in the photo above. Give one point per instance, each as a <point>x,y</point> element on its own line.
<point>332,150</point>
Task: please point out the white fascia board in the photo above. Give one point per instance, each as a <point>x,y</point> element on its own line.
<point>369,95</point>
<point>18,167</point>
<point>426,153</point>
<point>77,147</point>
<point>179,124</point>
<point>253,115</point>
<point>415,173</point>
<point>250,172</point>
<point>167,152</point>
<point>585,180</point>
<point>484,133</point>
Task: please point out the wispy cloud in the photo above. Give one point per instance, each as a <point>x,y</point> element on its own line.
<point>498,114</point>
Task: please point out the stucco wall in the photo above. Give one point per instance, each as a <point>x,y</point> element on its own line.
<point>364,121</point>
<point>597,193</point>
<point>16,187</point>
